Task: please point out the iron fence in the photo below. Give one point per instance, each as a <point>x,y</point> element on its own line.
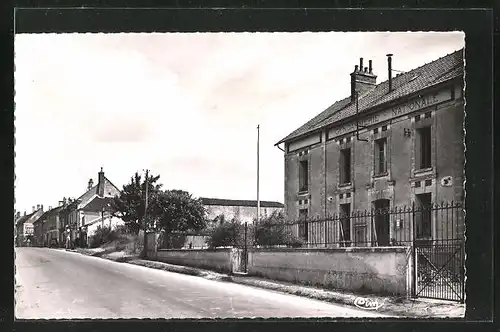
<point>398,226</point>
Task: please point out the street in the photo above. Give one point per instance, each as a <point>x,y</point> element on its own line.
<point>58,284</point>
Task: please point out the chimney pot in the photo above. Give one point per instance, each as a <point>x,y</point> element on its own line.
<point>25,213</point>
<point>389,69</point>
<point>366,69</point>
<point>34,208</point>
<point>370,66</point>
<point>355,68</point>
<point>360,64</point>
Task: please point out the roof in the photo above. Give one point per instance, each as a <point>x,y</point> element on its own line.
<point>89,194</point>
<point>50,213</point>
<point>35,216</point>
<point>23,219</point>
<point>431,74</point>
<point>98,203</point>
<point>236,202</point>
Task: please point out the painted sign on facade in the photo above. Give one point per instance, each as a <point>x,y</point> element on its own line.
<point>411,106</point>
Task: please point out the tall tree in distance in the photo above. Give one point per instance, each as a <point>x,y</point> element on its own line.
<point>178,211</point>
<point>129,205</point>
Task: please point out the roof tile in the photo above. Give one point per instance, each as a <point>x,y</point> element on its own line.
<point>438,71</point>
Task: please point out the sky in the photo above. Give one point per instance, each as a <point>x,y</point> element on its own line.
<point>184,105</point>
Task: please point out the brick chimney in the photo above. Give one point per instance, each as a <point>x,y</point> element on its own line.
<point>362,79</point>
<point>100,184</point>
<point>25,213</point>
<point>34,208</point>
<point>19,214</point>
<point>90,184</point>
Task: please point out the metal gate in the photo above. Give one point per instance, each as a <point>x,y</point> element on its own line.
<point>440,272</point>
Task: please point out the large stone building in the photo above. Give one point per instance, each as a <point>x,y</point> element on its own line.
<point>386,145</point>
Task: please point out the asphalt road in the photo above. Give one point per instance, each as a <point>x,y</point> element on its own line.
<point>54,283</point>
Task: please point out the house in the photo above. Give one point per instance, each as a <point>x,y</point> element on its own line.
<point>385,145</point>
<point>20,229</point>
<point>48,228</point>
<point>25,228</point>
<point>241,210</point>
<point>82,214</point>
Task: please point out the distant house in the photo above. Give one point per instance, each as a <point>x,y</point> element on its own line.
<point>241,210</point>
<point>47,228</point>
<point>20,230</point>
<point>25,228</point>
<point>83,214</point>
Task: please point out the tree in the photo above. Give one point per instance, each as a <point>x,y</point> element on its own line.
<point>225,233</point>
<point>275,231</point>
<point>129,205</point>
<point>178,211</point>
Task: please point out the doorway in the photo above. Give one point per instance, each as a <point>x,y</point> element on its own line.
<point>381,221</point>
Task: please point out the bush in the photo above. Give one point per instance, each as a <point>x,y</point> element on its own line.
<point>102,236</point>
<point>225,233</point>
<point>274,231</point>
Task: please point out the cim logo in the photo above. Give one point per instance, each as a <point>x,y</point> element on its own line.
<point>365,303</point>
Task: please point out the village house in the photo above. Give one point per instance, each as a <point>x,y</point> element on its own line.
<point>20,229</point>
<point>91,209</point>
<point>386,145</point>
<point>25,228</point>
<point>47,228</point>
<point>241,210</point>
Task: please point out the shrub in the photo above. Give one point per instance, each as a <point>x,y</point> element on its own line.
<point>102,236</point>
<point>274,231</point>
<point>225,233</point>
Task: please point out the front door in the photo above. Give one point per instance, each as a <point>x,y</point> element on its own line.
<point>381,222</point>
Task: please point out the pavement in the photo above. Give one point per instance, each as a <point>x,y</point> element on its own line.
<point>391,306</point>
<point>59,284</point>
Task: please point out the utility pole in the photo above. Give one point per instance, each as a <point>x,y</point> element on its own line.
<point>145,215</point>
<point>258,166</point>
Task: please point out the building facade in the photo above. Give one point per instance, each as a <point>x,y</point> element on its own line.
<point>241,210</point>
<point>387,145</point>
<point>93,205</point>
<point>26,229</point>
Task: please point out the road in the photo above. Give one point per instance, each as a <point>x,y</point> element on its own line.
<point>54,283</point>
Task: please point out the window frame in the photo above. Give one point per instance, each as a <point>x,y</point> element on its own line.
<point>345,168</point>
<point>378,152</point>
<point>424,136</point>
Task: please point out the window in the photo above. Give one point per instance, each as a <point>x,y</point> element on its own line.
<point>303,226</point>
<point>345,224</point>
<point>380,156</point>
<point>345,166</point>
<point>304,175</point>
<point>423,216</point>
<point>424,147</point>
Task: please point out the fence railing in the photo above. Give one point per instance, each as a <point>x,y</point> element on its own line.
<point>397,226</point>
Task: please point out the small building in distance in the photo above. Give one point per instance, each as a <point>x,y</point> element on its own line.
<point>241,210</point>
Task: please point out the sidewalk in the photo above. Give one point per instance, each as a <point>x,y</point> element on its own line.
<point>400,307</point>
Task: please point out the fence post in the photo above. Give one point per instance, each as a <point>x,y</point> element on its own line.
<point>245,250</point>
<point>414,252</point>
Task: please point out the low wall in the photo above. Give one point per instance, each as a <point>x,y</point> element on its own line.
<point>217,259</point>
<point>382,270</point>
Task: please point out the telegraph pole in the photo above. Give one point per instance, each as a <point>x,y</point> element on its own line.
<point>145,215</point>
<point>258,166</point>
